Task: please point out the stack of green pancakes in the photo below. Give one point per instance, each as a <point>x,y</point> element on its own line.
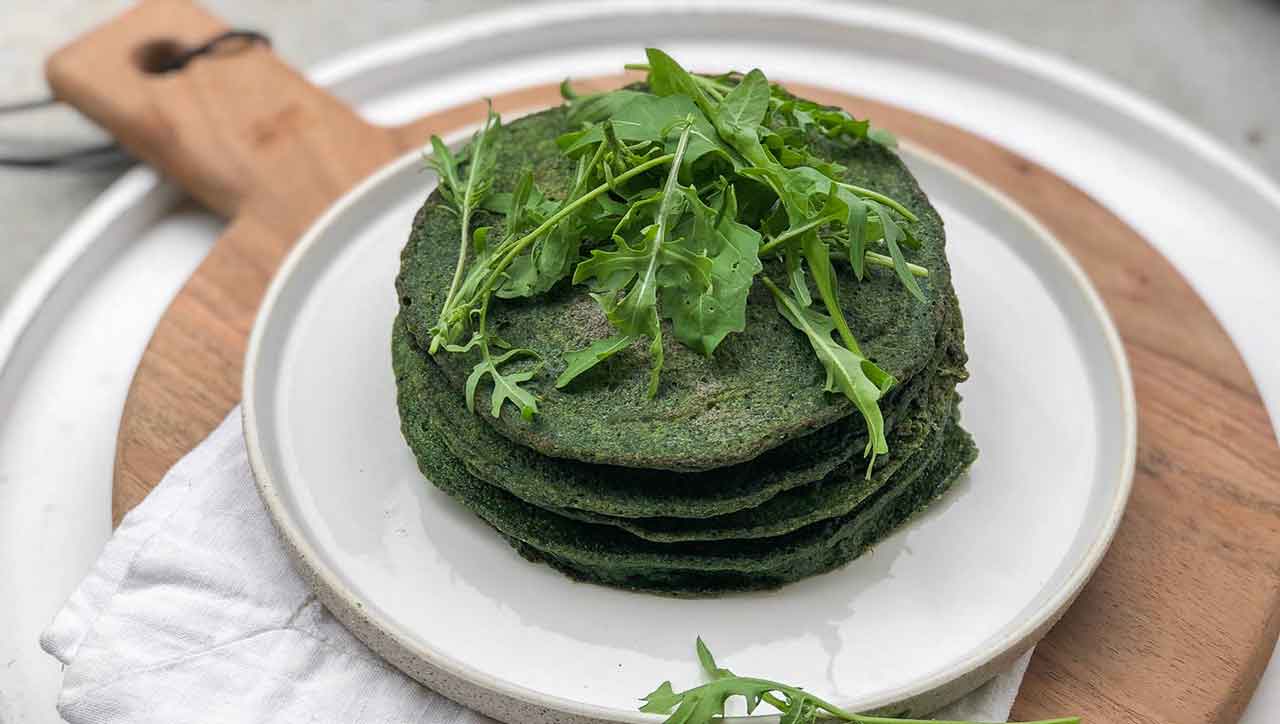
<point>742,473</point>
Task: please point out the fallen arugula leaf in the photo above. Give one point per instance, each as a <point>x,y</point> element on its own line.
<point>706,703</point>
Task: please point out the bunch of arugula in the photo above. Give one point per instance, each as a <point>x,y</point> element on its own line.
<point>681,192</point>
<point>705,704</point>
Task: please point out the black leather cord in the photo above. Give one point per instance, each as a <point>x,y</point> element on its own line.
<point>229,41</point>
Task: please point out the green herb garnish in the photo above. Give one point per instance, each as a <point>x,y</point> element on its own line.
<point>681,193</point>
<point>464,194</point>
<point>705,704</point>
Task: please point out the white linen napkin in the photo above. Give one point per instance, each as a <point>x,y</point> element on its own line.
<point>193,613</point>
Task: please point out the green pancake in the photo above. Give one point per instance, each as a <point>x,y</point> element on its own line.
<point>918,442</point>
<point>524,472</point>
<point>637,493</point>
<point>761,388</point>
<point>850,537</point>
<point>608,555</point>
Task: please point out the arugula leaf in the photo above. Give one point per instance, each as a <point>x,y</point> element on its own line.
<point>811,198</point>
<point>797,189</point>
<point>730,116</point>
<point>856,226</point>
<point>818,256</point>
<point>667,77</point>
<point>445,164</point>
<point>848,371</point>
<point>581,360</point>
<point>552,255</point>
<point>802,114</point>
<point>835,122</point>
<point>648,118</point>
<point>702,316</point>
<point>832,121</point>
<point>545,264</point>
<point>743,108</point>
<point>601,106</point>
<point>661,700</point>
<point>797,282</point>
<point>706,704</point>
<point>883,137</point>
<point>794,158</point>
<point>535,207</point>
<point>505,386</point>
<point>636,314</point>
<point>708,661</point>
<point>642,118</point>
<point>548,261</point>
<point>464,195</point>
<point>892,235</point>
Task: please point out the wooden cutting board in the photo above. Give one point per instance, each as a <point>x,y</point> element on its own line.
<point>1177,624</point>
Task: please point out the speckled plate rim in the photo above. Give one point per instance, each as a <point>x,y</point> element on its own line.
<point>510,702</point>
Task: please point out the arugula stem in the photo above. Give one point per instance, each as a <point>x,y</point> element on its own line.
<point>793,232</point>
<point>468,203</point>
<point>887,262</point>
<point>774,701</point>
<point>484,340</point>
<point>716,90</point>
<point>877,196</point>
<point>585,172</point>
<point>669,194</point>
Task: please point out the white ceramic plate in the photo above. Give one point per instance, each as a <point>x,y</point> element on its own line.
<point>929,614</point>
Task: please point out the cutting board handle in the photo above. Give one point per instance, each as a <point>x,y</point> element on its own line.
<point>233,127</point>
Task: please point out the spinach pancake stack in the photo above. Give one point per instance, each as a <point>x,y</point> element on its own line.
<point>692,336</point>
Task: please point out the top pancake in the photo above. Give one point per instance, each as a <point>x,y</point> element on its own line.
<point>762,387</point>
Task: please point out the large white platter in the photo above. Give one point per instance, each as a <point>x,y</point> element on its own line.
<point>930,614</point>
<point>71,336</point>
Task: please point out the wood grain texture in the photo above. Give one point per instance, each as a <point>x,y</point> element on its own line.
<point>1178,622</point>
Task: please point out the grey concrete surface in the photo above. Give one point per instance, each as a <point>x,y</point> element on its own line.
<point>1212,61</point>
